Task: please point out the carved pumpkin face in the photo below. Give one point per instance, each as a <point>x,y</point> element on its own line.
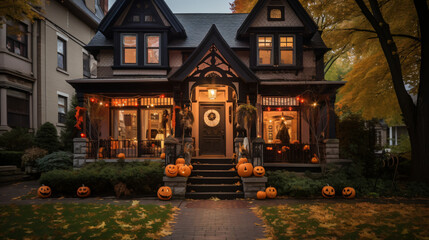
<point>83,191</point>
<point>261,195</point>
<point>121,156</point>
<point>44,191</point>
<point>349,192</point>
<point>180,161</point>
<point>164,193</point>
<point>162,156</point>
<point>240,161</point>
<point>184,171</point>
<point>259,171</point>
<point>271,192</point>
<point>315,159</point>
<point>245,170</point>
<point>328,192</point>
<point>171,170</point>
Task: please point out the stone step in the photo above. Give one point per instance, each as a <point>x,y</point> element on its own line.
<point>214,173</point>
<point>220,195</point>
<point>213,180</point>
<point>214,188</point>
<point>214,160</point>
<point>208,166</point>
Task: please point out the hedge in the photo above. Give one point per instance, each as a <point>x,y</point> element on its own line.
<point>141,178</point>
<point>10,158</point>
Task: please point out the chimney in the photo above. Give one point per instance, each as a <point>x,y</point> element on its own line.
<point>90,4</point>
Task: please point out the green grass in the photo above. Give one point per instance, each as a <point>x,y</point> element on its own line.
<point>84,221</point>
<point>346,221</point>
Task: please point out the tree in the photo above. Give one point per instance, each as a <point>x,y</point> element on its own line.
<point>47,137</point>
<point>19,10</point>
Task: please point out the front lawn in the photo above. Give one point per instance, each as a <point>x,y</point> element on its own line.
<point>346,221</point>
<point>84,221</point>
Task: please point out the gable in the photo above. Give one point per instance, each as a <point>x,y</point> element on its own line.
<point>141,13</point>
<point>290,17</point>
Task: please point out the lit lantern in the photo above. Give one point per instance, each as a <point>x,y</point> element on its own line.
<point>82,135</point>
<point>212,93</point>
<point>302,100</point>
<point>268,109</point>
<point>92,99</point>
<point>106,105</point>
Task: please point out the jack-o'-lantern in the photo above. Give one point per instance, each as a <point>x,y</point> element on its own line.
<point>261,195</point>
<point>349,192</point>
<point>245,170</point>
<point>171,170</point>
<point>83,191</point>
<point>121,156</point>
<point>259,171</point>
<point>271,192</point>
<point>328,192</point>
<point>240,161</point>
<point>44,191</point>
<point>314,159</point>
<point>184,171</point>
<point>285,148</point>
<point>306,148</point>
<point>180,161</point>
<point>164,193</point>
<point>162,156</point>
<point>295,142</point>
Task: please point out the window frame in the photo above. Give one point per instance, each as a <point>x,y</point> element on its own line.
<point>146,35</point>
<point>62,116</point>
<point>122,35</point>
<point>264,48</point>
<point>64,55</point>
<point>24,43</point>
<point>286,48</point>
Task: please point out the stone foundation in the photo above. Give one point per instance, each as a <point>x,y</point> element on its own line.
<point>332,150</point>
<point>79,152</point>
<point>177,185</point>
<point>252,185</point>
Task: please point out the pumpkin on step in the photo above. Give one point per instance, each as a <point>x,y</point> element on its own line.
<point>171,170</point>
<point>184,171</point>
<point>261,195</point>
<point>180,161</point>
<point>164,193</point>
<point>241,161</point>
<point>83,191</point>
<point>44,191</point>
<point>271,192</point>
<point>245,170</point>
<point>328,192</point>
<point>259,171</point>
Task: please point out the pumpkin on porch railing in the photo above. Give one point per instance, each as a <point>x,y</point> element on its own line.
<point>245,170</point>
<point>164,193</point>
<point>328,191</point>
<point>180,161</point>
<point>171,170</point>
<point>271,192</point>
<point>259,171</point>
<point>184,171</point>
<point>306,148</point>
<point>285,148</point>
<point>261,195</point>
<point>83,191</point>
<point>121,156</point>
<point>44,191</point>
<point>315,159</point>
<point>349,192</point>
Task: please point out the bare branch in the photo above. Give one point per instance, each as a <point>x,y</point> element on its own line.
<point>372,31</point>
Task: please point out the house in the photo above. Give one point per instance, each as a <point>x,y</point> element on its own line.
<point>153,64</point>
<point>36,59</point>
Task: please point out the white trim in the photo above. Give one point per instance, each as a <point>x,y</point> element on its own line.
<point>84,51</point>
<point>62,36</point>
<point>63,94</point>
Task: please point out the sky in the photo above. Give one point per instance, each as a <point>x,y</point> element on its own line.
<point>196,6</point>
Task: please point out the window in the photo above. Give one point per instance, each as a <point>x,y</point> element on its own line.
<point>61,54</point>
<point>86,66</point>
<point>276,13</point>
<point>265,50</point>
<point>149,18</point>
<point>136,18</point>
<point>62,109</point>
<point>129,49</point>
<point>18,109</point>
<point>273,121</point>
<point>152,49</point>
<point>287,44</point>
<point>16,39</point>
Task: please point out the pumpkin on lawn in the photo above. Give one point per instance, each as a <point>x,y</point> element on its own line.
<point>245,170</point>
<point>328,192</point>
<point>271,192</point>
<point>164,193</point>
<point>349,192</point>
<point>44,191</point>
<point>261,195</point>
<point>184,171</point>
<point>121,156</point>
<point>171,170</point>
<point>259,171</point>
<point>180,161</point>
<point>314,159</point>
<point>83,191</point>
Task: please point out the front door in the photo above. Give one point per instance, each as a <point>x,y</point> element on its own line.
<point>212,129</point>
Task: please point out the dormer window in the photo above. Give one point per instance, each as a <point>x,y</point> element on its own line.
<point>276,13</point>
<point>140,50</point>
<point>265,50</point>
<point>129,49</point>
<point>276,50</point>
<point>287,50</point>
<point>152,49</point>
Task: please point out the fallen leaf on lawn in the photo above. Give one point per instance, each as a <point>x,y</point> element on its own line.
<point>101,225</point>
<point>135,203</point>
<point>237,183</point>
<point>165,233</point>
<point>405,231</point>
<point>66,226</point>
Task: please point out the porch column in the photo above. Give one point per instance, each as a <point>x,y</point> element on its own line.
<point>177,106</point>
<point>253,97</point>
<point>332,117</point>
<point>3,109</point>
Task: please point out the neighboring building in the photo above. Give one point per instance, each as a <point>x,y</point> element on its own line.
<point>37,58</point>
<point>153,63</point>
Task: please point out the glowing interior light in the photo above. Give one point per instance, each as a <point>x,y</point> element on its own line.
<point>212,93</point>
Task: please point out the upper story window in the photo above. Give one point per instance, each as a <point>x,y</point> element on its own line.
<point>129,49</point>
<point>276,13</point>
<point>61,54</point>
<point>287,50</point>
<point>16,38</point>
<point>265,50</point>
<point>152,49</point>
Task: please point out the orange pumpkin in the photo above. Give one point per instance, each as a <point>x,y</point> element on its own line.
<point>191,167</point>
<point>44,191</point>
<point>162,156</point>
<point>245,170</point>
<point>259,171</point>
<point>306,148</point>
<point>349,192</point>
<point>271,192</point>
<point>184,171</point>
<point>180,161</point>
<point>285,148</point>
<point>315,159</point>
<point>295,142</point>
<point>328,192</point>
<point>83,191</point>
<point>121,156</point>
<point>261,195</point>
<point>164,193</point>
<point>171,170</point>
<point>240,161</point>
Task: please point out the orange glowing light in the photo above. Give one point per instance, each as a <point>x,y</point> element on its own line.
<point>82,135</point>
<point>92,99</point>
<point>302,100</point>
<point>290,108</point>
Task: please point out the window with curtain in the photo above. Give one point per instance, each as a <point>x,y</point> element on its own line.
<point>287,46</point>
<point>129,49</point>
<point>265,50</point>
<point>152,49</point>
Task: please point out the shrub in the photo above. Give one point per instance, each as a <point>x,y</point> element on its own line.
<point>47,137</point>
<point>31,155</point>
<point>54,161</point>
<point>10,158</point>
<point>290,184</point>
<point>101,177</point>
<point>17,139</point>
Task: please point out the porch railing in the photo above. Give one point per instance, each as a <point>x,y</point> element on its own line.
<point>131,148</point>
<point>291,153</point>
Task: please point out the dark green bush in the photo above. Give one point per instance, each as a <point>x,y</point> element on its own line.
<point>47,138</point>
<point>17,139</point>
<point>101,177</point>
<point>55,161</point>
<point>10,158</point>
<point>69,131</point>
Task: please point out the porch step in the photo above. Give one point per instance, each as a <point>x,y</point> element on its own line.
<point>211,160</point>
<point>207,166</point>
<point>214,180</point>
<point>213,188</point>
<point>220,195</point>
<point>214,173</point>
